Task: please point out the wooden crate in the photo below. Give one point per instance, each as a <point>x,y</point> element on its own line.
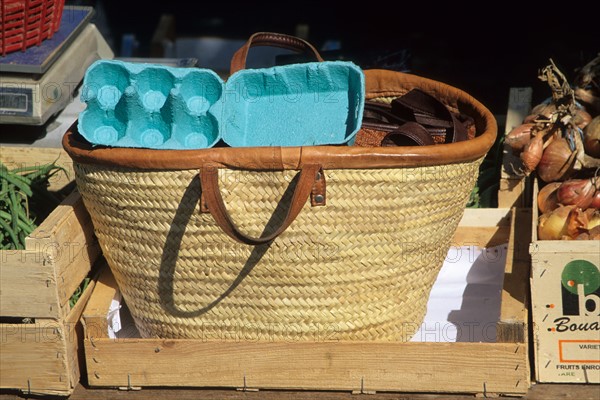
<point>362,367</point>
<point>566,322</point>
<point>43,357</point>
<point>18,156</point>
<point>40,355</point>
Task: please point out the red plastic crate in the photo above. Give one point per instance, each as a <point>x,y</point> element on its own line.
<point>24,23</point>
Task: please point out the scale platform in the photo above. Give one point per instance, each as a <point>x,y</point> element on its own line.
<point>39,82</point>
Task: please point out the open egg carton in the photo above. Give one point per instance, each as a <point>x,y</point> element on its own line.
<point>161,107</point>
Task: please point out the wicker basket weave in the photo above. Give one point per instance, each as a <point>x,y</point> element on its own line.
<point>359,268</point>
<point>26,23</point>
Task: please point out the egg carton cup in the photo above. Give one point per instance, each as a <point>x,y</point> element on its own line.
<point>161,107</point>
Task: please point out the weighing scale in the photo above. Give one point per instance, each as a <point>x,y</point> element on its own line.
<point>39,82</point>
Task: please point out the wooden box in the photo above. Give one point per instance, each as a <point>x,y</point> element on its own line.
<point>40,332</point>
<point>18,156</point>
<point>497,368</point>
<point>565,293</point>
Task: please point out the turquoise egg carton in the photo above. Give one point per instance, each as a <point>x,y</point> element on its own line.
<point>161,107</point>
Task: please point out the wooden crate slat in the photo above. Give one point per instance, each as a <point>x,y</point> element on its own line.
<point>34,357</point>
<point>74,329</point>
<point>515,296</point>
<point>42,357</point>
<point>441,367</point>
<point>68,236</point>
<point>19,156</point>
<point>94,314</point>
<point>58,255</point>
<point>27,285</point>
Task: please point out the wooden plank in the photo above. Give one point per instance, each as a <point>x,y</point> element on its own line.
<point>485,217</point>
<point>309,365</point>
<point>34,357</point>
<point>519,106</point>
<point>536,392</point>
<point>58,255</point>
<point>482,237</point>
<point>27,285</point>
<point>68,236</point>
<point>15,157</point>
<point>483,227</point>
<point>96,310</point>
<point>514,192</point>
<point>74,342</point>
<point>515,295</point>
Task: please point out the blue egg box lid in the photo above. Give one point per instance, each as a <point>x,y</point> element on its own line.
<point>162,107</point>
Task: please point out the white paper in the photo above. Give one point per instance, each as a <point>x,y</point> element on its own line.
<point>464,303</point>
<point>114,316</point>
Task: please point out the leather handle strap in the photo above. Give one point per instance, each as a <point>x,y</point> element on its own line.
<point>238,62</point>
<point>407,134</point>
<point>400,132</point>
<point>425,109</point>
<point>212,199</point>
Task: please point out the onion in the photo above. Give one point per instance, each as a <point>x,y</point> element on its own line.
<point>592,228</point>
<point>577,192</point>
<point>557,161</point>
<point>577,222</point>
<point>596,200</point>
<point>594,219</point>
<point>591,138</point>
<point>519,137</point>
<point>532,153</point>
<point>547,199</point>
<point>588,97</point>
<point>541,110</point>
<point>583,236</point>
<point>594,233</point>
<point>554,225</point>
<point>582,118</point>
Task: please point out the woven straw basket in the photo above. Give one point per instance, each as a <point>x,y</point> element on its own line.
<point>198,244</point>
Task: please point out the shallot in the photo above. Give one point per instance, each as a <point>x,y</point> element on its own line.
<point>532,153</point>
<point>596,200</point>
<point>519,137</point>
<point>547,197</point>
<point>577,192</point>
<point>591,138</point>
<point>557,161</point>
<point>554,225</point>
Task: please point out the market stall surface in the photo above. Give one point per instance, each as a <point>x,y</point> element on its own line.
<point>537,392</point>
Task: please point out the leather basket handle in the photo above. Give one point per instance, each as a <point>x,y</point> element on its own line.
<point>212,199</point>
<point>238,62</point>
<point>426,109</point>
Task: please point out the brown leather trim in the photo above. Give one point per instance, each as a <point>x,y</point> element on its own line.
<point>379,83</point>
<point>318,195</point>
